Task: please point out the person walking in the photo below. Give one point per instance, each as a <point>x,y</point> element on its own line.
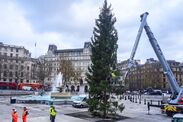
<point>52,113</point>
<point>24,114</point>
<point>14,115</point>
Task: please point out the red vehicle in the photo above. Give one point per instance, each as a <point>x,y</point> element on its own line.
<point>9,85</point>
<point>34,86</point>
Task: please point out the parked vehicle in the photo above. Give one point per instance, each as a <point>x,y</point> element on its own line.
<point>177,118</point>
<point>156,92</point>
<point>80,102</point>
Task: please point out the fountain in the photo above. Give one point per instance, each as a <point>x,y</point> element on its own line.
<point>54,97</point>
<point>58,84</point>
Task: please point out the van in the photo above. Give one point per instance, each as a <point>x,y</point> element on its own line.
<point>177,118</point>
<point>80,102</point>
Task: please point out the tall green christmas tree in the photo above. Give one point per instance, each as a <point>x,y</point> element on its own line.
<point>104,59</point>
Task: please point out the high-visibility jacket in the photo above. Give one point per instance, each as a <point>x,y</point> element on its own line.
<point>113,75</point>
<point>52,112</point>
<point>12,114</point>
<point>15,117</point>
<point>24,116</point>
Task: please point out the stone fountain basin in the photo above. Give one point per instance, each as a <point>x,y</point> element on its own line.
<point>60,95</point>
<point>55,99</point>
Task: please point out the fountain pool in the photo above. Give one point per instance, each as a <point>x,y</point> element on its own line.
<point>45,99</point>
<point>54,97</point>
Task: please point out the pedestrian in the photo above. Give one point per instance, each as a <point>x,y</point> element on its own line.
<point>24,114</point>
<point>52,113</point>
<point>14,115</point>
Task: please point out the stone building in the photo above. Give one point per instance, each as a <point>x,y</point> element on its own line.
<point>151,74</point>
<point>79,57</point>
<point>16,64</point>
<point>122,66</point>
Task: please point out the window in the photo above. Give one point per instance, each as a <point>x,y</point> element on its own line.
<point>22,74</point>
<point>16,50</point>
<point>11,49</point>
<point>22,67</point>
<point>11,66</point>
<point>17,55</point>
<point>5,66</point>
<point>5,60</point>
<point>5,54</point>
<point>11,74</point>
<point>11,55</point>
<point>16,74</point>
<point>5,74</point>
<point>16,67</point>
<point>27,67</point>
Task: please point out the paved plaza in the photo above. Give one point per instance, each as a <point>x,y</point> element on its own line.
<point>134,111</point>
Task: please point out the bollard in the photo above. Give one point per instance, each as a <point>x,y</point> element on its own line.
<point>140,101</point>
<point>148,107</point>
<point>135,100</point>
<point>151,102</point>
<point>144,101</point>
<point>125,97</point>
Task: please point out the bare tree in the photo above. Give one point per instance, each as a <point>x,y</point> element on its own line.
<point>77,74</point>
<point>67,69</point>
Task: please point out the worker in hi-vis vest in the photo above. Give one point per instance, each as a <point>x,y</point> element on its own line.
<point>14,115</point>
<point>52,113</point>
<point>24,114</point>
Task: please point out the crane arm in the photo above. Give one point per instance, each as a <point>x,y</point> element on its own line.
<point>130,61</point>
<point>176,90</point>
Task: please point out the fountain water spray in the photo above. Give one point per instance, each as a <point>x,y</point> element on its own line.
<point>57,82</point>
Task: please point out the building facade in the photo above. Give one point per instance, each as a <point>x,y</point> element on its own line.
<point>16,64</point>
<point>80,59</point>
<point>123,67</point>
<point>151,74</point>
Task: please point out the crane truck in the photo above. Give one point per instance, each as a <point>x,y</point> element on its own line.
<point>175,103</point>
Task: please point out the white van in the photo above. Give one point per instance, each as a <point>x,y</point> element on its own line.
<point>177,118</point>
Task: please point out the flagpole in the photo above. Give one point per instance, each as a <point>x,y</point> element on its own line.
<point>35,49</point>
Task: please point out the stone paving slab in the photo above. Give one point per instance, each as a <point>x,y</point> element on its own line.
<point>39,113</point>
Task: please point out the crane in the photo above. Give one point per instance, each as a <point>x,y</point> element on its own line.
<point>174,104</point>
<point>175,88</point>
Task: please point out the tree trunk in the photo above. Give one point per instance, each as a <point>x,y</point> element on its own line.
<point>105,104</point>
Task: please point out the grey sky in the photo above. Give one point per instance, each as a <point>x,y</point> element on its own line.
<point>69,23</point>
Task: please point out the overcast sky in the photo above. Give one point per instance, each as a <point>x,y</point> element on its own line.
<point>69,23</point>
